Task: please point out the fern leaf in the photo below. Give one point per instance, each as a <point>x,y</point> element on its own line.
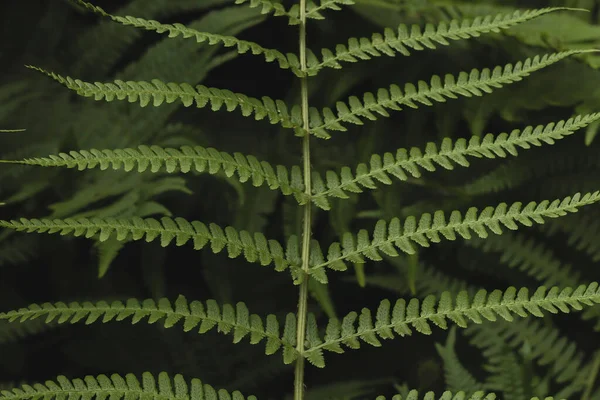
<point>387,237</point>
<point>289,61</point>
<point>408,38</point>
<point>415,314</point>
<point>468,84</point>
<point>157,93</point>
<point>185,159</point>
<point>195,315</point>
<point>447,395</point>
<point>118,387</point>
<point>313,10</point>
<point>410,162</point>
<point>272,7</point>
<point>255,247</point>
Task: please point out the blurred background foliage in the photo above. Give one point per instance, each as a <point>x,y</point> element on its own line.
<point>60,37</point>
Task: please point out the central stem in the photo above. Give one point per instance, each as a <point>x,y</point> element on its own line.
<point>306,230</point>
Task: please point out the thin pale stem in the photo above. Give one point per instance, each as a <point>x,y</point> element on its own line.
<point>306,230</point>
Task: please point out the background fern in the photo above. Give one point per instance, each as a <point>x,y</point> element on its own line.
<point>36,269</point>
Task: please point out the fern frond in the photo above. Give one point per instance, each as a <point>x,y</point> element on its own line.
<point>530,256</point>
<point>313,10</point>
<point>427,229</point>
<point>415,314</point>
<point>289,61</point>
<point>117,387</point>
<point>410,162</point>
<point>255,247</point>
<point>195,315</point>
<point>447,395</point>
<point>274,7</point>
<point>157,92</point>
<point>185,159</point>
<point>412,37</point>
<point>468,84</point>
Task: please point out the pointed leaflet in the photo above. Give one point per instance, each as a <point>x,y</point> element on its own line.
<point>157,93</point>
<point>255,247</point>
<point>407,38</point>
<point>411,162</point>
<point>415,314</point>
<point>289,61</point>
<point>202,316</point>
<point>117,387</point>
<point>468,84</point>
<point>185,159</point>
<point>433,228</point>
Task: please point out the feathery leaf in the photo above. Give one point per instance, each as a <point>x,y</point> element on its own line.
<point>410,162</point>
<point>157,92</point>
<point>447,395</point>
<point>387,237</point>
<point>405,316</point>
<point>117,387</point>
<point>195,315</point>
<point>468,84</point>
<point>289,61</point>
<point>408,38</point>
<point>255,247</point>
<point>185,159</point>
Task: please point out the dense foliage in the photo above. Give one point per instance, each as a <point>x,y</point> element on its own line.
<point>453,171</point>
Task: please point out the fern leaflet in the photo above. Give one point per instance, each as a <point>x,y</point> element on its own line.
<point>185,159</point>
<point>313,10</point>
<point>466,84</point>
<point>195,315</point>
<point>391,43</point>
<point>255,247</point>
<point>450,153</point>
<point>157,93</point>
<point>427,229</point>
<point>289,61</point>
<point>447,395</point>
<point>11,130</point>
<point>415,314</point>
<point>117,387</point>
<point>268,7</point>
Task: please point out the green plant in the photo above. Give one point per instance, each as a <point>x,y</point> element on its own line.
<point>299,336</point>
